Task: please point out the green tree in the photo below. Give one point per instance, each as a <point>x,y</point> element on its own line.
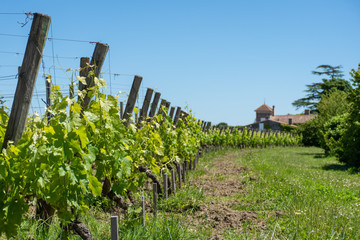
<point>316,91</point>
<point>222,125</point>
<point>348,150</point>
<point>332,104</point>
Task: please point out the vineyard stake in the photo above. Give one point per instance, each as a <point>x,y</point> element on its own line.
<point>27,78</point>
<point>177,115</point>
<point>114,228</point>
<point>121,110</point>
<point>48,84</point>
<point>172,110</point>
<point>84,66</point>
<point>173,183</point>
<point>132,97</point>
<point>146,104</point>
<point>154,104</point>
<point>183,172</point>
<point>161,107</point>
<point>155,198</point>
<point>97,61</point>
<point>143,213</point>
<point>179,174</point>
<point>165,178</point>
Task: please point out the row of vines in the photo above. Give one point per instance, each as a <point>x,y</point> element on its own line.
<point>81,157</point>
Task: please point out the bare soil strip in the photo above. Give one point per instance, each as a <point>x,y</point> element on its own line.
<point>222,181</point>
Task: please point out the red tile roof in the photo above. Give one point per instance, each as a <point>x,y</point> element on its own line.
<point>264,109</point>
<point>296,119</point>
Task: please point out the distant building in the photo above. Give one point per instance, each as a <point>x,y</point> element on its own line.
<point>266,118</point>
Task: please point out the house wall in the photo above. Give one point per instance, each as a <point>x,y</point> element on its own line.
<point>273,125</point>
<point>262,115</point>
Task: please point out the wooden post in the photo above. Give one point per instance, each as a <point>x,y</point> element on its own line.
<point>179,174</point>
<point>84,67</point>
<point>143,210</point>
<point>162,105</point>
<point>183,171</point>
<point>114,228</point>
<point>177,115</point>
<point>132,97</point>
<point>208,125</point>
<point>146,104</point>
<point>173,183</point>
<point>121,110</point>
<point>97,61</point>
<point>172,111</point>
<point>190,164</point>
<point>186,168</point>
<point>155,191</point>
<point>167,106</point>
<point>71,90</point>
<point>154,104</point>
<point>27,78</point>
<point>48,100</point>
<point>203,126</point>
<point>165,178</point>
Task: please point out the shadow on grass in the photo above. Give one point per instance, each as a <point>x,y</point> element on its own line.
<point>341,167</point>
<point>315,155</point>
<point>336,167</point>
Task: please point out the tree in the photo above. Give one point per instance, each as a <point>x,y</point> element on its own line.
<point>319,89</point>
<point>333,104</point>
<point>348,150</point>
<point>222,125</point>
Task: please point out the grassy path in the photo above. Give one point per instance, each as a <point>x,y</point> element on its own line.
<point>279,193</point>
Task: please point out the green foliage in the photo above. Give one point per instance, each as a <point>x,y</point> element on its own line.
<point>350,140</point>
<point>316,91</point>
<point>334,130</point>
<point>287,128</point>
<point>333,104</point>
<point>66,160</point>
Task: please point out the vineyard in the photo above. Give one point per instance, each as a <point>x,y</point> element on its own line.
<point>86,150</point>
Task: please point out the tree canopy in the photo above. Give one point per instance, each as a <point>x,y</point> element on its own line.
<point>316,91</point>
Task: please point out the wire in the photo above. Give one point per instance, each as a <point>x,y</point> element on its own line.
<point>13,35</point>
<point>9,76</point>
<point>14,13</point>
<point>71,40</point>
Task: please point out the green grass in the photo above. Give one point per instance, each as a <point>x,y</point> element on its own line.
<point>318,198</point>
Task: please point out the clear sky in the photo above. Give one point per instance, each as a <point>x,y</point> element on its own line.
<point>222,59</point>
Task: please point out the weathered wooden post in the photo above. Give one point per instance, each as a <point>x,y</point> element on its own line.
<point>132,97</point>
<point>183,171</point>
<point>97,61</point>
<point>177,115</point>
<point>161,107</point>
<point>146,104</point>
<point>172,111</point>
<point>167,106</point>
<point>165,178</point>
<point>114,228</point>
<point>48,84</point>
<point>84,67</point>
<point>179,174</point>
<point>154,104</point>
<point>155,192</point>
<point>173,181</point>
<point>121,110</point>
<point>27,78</point>
<point>143,212</point>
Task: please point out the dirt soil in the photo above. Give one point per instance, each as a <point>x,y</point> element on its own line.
<point>220,183</point>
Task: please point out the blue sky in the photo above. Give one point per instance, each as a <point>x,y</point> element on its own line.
<point>222,59</point>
